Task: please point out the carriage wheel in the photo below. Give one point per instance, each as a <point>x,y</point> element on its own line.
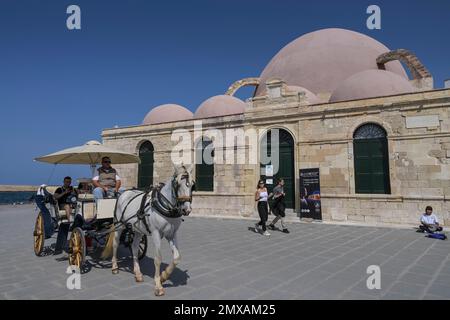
<point>39,234</point>
<point>77,248</point>
<point>142,247</point>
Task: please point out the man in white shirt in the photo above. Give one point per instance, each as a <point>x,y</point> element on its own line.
<point>429,221</point>
<point>107,182</point>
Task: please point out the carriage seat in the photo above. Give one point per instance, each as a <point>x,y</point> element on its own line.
<point>86,197</point>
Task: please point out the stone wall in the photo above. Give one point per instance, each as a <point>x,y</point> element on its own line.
<point>233,183</point>
<point>419,161</point>
<point>418,132</point>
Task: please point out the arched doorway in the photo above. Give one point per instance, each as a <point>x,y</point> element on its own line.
<point>370,148</point>
<point>286,168</point>
<point>145,171</point>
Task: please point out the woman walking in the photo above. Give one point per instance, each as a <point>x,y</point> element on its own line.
<point>279,206</point>
<point>261,196</point>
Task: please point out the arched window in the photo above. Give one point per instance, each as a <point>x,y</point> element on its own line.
<point>204,167</point>
<point>370,147</point>
<point>145,171</point>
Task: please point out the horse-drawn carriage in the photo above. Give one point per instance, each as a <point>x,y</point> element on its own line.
<point>91,221</point>
<point>127,220</point>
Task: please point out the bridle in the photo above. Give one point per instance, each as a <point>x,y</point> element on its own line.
<point>175,187</point>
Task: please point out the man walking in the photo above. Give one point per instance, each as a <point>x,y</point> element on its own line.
<point>278,208</point>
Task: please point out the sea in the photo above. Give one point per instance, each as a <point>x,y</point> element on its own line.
<point>16,197</point>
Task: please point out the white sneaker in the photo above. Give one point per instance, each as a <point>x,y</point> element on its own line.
<point>257,227</point>
<point>266,233</point>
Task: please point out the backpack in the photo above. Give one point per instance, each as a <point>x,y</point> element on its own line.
<point>439,236</point>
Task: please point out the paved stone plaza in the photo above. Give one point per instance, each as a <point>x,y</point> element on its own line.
<point>225,259</point>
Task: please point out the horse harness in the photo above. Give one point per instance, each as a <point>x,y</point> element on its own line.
<point>159,202</point>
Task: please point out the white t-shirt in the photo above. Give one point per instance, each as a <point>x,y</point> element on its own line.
<point>96,178</point>
<point>431,219</point>
<point>263,196</point>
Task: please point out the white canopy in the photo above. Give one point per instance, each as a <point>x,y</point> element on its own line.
<point>90,153</point>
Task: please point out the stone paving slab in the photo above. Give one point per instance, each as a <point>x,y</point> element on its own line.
<point>226,259</point>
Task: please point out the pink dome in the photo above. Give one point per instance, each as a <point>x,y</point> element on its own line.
<point>369,84</point>
<point>322,59</point>
<point>167,113</point>
<point>221,105</point>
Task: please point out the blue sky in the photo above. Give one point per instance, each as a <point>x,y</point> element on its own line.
<point>60,88</point>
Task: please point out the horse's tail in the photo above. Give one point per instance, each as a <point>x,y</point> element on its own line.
<point>107,252</point>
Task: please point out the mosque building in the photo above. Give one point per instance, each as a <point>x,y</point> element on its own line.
<point>342,103</point>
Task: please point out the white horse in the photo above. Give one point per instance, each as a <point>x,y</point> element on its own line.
<point>160,214</point>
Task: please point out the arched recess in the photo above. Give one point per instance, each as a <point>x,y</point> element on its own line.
<point>286,158</point>
<point>145,170</point>
<point>371,159</point>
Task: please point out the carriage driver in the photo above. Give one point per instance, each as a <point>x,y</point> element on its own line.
<point>107,182</point>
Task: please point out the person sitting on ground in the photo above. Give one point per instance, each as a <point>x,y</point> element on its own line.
<point>62,194</point>
<point>278,208</point>
<point>107,183</point>
<point>429,221</point>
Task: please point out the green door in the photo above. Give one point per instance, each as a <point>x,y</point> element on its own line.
<point>204,172</point>
<point>286,166</point>
<point>145,171</point>
<point>371,160</point>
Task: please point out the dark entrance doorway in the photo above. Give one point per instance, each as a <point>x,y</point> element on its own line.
<point>145,171</point>
<point>286,164</point>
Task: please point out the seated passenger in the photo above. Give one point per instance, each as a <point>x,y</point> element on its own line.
<point>429,221</point>
<point>43,196</point>
<point>107,183</point>
<point>62,194</point>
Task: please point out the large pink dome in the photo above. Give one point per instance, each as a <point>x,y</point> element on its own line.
<point>369,84</point>
<point>167,113</point>
<point>322,59</point>
<point>221,105</point>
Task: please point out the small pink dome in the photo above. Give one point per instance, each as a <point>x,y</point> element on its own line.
<point>369,84</point>
<point>310,97</point>
<point>221,105</point>
<point>167,113</point>
<point>322,59</point>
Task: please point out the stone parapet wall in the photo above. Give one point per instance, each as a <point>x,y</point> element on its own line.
<point>223,204</point>
<point>383,209</point>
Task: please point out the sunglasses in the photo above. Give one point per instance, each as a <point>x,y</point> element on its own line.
<point>106,161</point>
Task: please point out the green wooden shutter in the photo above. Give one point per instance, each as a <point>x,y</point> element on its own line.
<point>145,170</point>
<point>204,180</point>
<point>371,165</point>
